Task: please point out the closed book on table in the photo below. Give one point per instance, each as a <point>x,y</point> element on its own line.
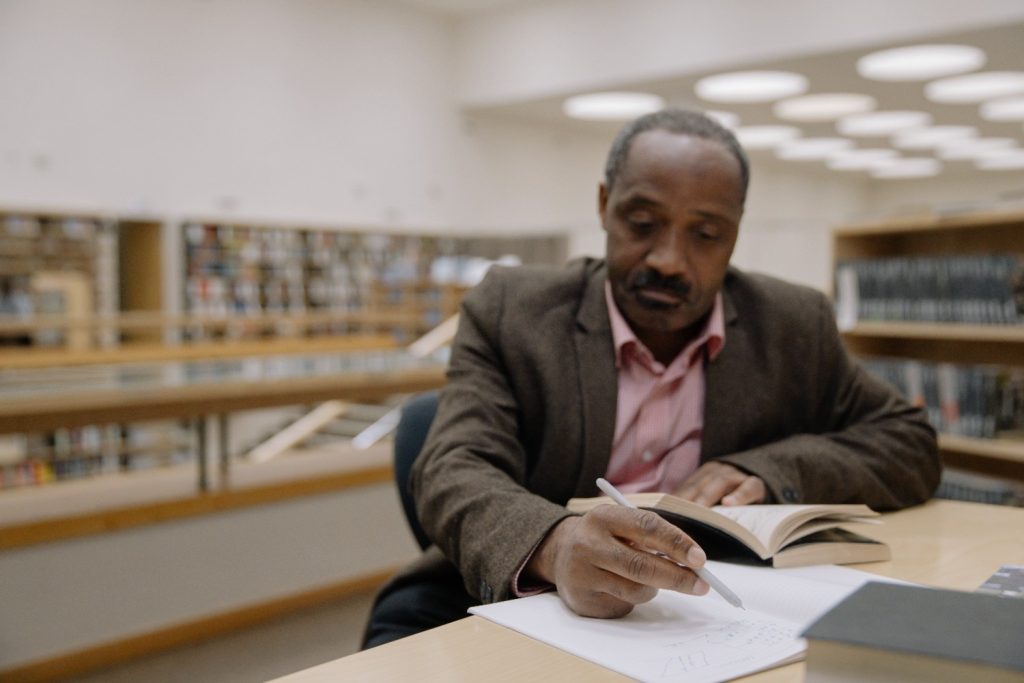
<point>893,632</point>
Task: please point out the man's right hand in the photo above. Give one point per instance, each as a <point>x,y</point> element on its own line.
<point>603,563</point>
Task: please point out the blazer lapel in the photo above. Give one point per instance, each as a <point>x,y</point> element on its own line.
<point>595,358</point>
<point>717,386</point>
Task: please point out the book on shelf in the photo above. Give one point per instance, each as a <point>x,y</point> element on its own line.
<point>890,632</point>
<point>778,535</point>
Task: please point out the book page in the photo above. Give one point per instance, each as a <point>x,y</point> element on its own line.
<point>773,525</point>
<point>760,520</point>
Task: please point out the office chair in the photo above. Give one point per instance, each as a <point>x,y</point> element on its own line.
<point>410,433</point>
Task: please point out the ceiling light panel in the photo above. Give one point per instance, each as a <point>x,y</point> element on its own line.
<point>751,86</point>
<point>908,168</point>
<point>1003,109</point>
<point>1004,162</point>
<point>612,106</point>
<point>811,149</point>
<point>920,62</point>
<point>881,123</point>
<point>823,106</point>
<point>975,148</point>
<point>933,136</point>
<point>974,88</point>
<point>765,137</point>
<point>860,159</point>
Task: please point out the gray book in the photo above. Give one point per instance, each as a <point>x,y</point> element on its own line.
<point>893,632</point>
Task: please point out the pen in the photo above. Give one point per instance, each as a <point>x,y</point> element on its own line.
<point>704,573</point>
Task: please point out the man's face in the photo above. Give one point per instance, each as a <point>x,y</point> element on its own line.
<point>671,221</point>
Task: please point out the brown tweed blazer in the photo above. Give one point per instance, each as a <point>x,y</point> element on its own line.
<point>527,418</point>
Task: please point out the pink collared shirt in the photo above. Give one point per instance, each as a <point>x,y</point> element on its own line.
<point>660,412</point>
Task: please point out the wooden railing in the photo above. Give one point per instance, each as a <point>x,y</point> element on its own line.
<point>147,337</point>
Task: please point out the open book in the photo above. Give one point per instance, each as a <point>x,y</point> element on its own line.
<point>780,535</point>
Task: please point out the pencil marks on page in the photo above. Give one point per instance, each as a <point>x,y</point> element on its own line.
<point>723,645</point>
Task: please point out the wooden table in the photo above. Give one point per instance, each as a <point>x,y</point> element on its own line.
<point>943,543</point>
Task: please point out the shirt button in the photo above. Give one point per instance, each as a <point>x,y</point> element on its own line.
<point>789,495</point>
<point>647,456</point>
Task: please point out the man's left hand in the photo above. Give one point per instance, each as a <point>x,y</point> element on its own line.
<point>718,482</point>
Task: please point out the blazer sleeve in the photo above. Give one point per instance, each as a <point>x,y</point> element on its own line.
<point>867,444</point>
<point>469,480</point>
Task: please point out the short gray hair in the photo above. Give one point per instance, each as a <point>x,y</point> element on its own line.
<point>682,121</point>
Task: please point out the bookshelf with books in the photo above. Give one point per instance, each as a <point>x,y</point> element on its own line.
<point>251,284</point>
<point>350,280</point>
<point>63,275</point>
<point>935,305</point>
<point>55,264</point>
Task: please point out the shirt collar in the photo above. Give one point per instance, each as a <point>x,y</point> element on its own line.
<point>712,334</point>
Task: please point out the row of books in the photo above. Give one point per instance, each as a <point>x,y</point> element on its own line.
<point>73,453</point>
<point>240,269</point>
<point>238,252</point>
<point>982,401</point>
<point>980,288</point>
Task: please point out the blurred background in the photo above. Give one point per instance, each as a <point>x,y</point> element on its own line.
<point>232,232</point>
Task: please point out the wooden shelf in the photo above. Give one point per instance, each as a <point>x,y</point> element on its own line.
<point>943,235</point>
<point>1009,334</point>
<point>1001,449</point>
<point>109,503</point>
<point>157,353</point>
<point>932,222</point>
<point>955,234</point>
<point>993,457</point>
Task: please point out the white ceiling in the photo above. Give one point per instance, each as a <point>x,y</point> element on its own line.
<point>827,72</point>
<point>461,7</point>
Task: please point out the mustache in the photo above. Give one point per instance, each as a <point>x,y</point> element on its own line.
<point>652,279</point>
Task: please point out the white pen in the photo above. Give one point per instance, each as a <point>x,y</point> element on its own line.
<point>704,573</point>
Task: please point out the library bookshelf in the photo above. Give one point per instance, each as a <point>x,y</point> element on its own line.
<point>962,343</point>
<point>199,323</point>
<point>239,269</point>
<point>82,289</point>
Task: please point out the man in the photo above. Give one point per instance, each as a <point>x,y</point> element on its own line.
<point>661,368</point>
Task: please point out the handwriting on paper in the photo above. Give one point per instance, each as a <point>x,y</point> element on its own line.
<point>722,645</point>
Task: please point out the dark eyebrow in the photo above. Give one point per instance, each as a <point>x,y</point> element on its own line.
<point>712,216</point>
<point>638,202</point>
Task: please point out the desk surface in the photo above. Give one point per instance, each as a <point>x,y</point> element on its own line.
<point>943,543</point>
<point>41,399</point>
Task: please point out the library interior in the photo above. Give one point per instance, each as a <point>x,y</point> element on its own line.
<point>235,236</point>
